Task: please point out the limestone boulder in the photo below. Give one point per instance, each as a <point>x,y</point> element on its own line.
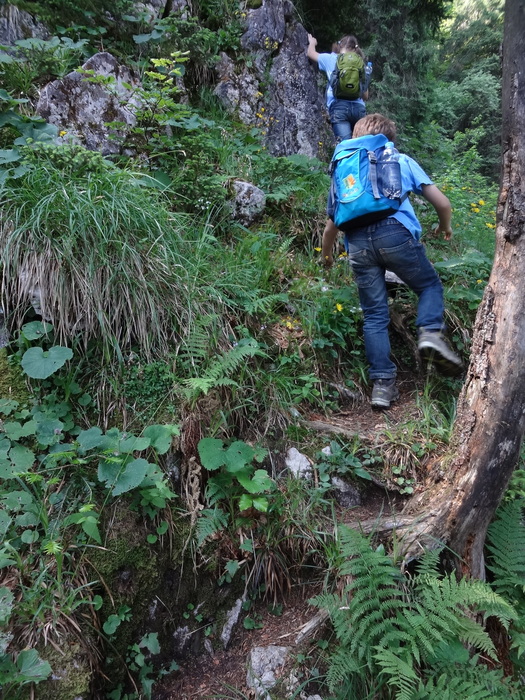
<point>275,87</point>
<point>16,24</point>
<point>248,202</point>
<point>81,109</point>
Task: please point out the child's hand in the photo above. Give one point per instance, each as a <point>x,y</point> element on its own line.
<point>327,261</point>
<point>445,230</point>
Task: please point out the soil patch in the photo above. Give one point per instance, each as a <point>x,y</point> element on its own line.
<point>223,674</point>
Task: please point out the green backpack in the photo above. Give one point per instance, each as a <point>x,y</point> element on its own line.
<point>348,76</point>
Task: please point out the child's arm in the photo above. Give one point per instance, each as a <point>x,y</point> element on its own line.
<point>311,51</point>
<point>443,209</point>
<point>330,234</point>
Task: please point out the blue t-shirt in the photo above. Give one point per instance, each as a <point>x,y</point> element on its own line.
<point>413,177</point>
<point>326,63</point>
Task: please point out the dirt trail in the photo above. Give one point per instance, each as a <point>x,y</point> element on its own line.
<point>223,673</point>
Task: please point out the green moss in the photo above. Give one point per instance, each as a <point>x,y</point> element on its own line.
<point>12,384</point>
<point>71,675</point>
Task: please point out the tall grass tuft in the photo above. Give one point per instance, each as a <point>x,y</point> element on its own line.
<point>106,258</point>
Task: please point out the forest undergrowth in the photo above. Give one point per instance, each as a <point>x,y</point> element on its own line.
<point>162,359</point>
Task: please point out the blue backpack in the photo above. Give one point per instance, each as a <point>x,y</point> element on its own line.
<point>358,179</point>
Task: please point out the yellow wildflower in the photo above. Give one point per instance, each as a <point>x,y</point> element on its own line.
<point>62,133</point>
<point>289,325</point>
<point>475,210</point>
<point>479,281</point>
<point>490,225</point>
<point>318,250</point>
<point>482,202</point>
<point>338,307</point>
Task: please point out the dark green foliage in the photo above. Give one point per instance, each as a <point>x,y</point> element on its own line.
<point>401,55</point>
<point>506,545</point>
<point>408,632</point>
<point>31,63</point>
<point>56,13</point>
<point>471,37</point>
<point>148,388</point>
<point>468,71</point>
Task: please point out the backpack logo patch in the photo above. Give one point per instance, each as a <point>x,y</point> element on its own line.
<point>349,182</point>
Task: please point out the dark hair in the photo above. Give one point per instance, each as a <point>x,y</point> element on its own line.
<point>375,124</point>
<point>350,43</point>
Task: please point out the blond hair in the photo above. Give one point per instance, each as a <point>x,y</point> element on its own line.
<point>375,124</point>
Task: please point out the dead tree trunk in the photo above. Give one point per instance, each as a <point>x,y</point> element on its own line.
<point>466,487</point>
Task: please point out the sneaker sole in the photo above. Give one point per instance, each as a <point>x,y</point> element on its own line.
<point>383,403</point>
<point>443,364</point>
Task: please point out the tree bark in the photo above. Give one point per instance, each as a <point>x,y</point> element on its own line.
<point>466,487</point>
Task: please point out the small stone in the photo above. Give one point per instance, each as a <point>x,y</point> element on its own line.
<point>298,464</point>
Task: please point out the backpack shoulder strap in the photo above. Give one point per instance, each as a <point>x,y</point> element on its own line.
<point>372,160</point>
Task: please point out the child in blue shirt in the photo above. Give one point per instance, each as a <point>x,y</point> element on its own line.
<point>343,113</point>
<point>393,243</point>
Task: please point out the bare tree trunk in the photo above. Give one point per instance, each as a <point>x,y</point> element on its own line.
<point>167,9</point>
<point>466,487</point>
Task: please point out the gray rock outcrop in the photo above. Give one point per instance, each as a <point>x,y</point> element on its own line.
<point>16,24</point>
<point>82,108</point>
<point>248,202</point>
<point>263,669</point>
<point>291,115</point>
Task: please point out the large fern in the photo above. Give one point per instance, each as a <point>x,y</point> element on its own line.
<point>506,561</point>
<point>506,545</point>
<point>396,628</point>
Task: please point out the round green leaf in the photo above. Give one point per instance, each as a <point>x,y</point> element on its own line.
<point>40,364</point>
<point>211,453</point>
<point>22,458</point>
<point>36,330</point>
<point>29,536</point>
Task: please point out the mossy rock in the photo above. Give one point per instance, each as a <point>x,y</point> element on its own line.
<point>160,588</point>
<point>71,673</point>
<point>12,383</point>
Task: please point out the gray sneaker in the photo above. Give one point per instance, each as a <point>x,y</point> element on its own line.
<point>434,348</point>
<point>384,392</point>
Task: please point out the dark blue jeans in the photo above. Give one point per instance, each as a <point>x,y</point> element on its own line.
<point>372,249</point>
<point>343,116</point>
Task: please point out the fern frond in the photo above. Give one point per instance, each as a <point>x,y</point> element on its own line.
<point>399,673</point>
<point>210,522</point>
<point>447,602</point>
<point>195,348</point>
<point>343,669</point>
<point>264,304</point>
<point>399,628</point>
<point>506,544</point>
<point>472,681</point>
<point>428,565</point>
<point>222,366</point>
